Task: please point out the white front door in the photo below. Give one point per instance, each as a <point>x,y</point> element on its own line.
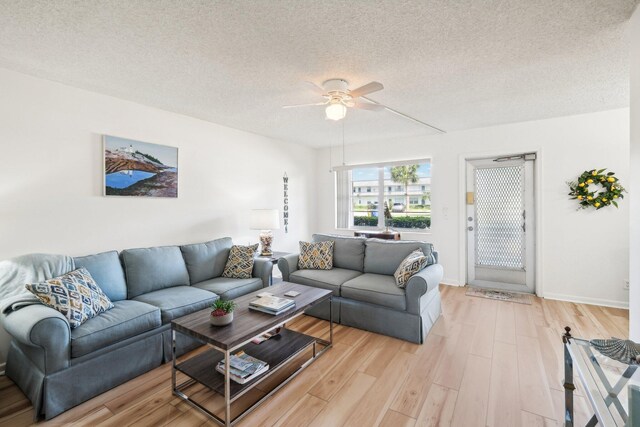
<point>500,223</point>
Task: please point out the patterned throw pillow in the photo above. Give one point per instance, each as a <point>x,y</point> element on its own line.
<point>240,262</point>
<point>413,263</point>
<point>316,256</point>
<point>75,294</point>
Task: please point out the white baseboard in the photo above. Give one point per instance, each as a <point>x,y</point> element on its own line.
<point>587,300</point>
<point>451,282</point>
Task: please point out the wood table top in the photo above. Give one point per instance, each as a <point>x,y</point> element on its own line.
<point>248,323</point>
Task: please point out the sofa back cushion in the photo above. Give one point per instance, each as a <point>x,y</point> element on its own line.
<point>384,256</point>
<point>348,252</point>
<point>152,269</point>
<point>106,270</point>
<point>206,260</point>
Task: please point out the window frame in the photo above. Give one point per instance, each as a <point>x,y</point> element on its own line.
<point>381,196</point>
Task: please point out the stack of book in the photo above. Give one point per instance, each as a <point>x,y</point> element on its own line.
<point>243,368</point>
<point>272,305</point>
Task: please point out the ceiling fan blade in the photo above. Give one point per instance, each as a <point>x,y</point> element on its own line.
<point>316,88</point>
<point>406,116</point>
<point>366,89</point>
<point>370,107</point>
<point>303,105</point>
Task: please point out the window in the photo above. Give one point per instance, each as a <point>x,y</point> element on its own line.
<point>405,196</point>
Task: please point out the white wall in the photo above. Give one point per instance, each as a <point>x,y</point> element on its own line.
<point>51,176</point>
<point>634,295</point>
<point>584,254</point>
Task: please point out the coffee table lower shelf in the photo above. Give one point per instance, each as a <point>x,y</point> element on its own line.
<point>276,351</point>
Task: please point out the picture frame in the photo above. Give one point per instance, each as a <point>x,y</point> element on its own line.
<point>133,168</point>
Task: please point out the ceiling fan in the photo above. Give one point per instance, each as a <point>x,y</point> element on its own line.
<point>338,98</point>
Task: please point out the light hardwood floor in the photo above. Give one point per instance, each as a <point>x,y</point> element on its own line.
<point>485,363</point>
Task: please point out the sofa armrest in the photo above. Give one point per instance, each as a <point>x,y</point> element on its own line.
<point>45,331</point>
<point>287,265</point>
<point>262,269</point>
<point>421,283</point>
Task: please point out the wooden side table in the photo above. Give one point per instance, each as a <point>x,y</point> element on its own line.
<point>275,256</point>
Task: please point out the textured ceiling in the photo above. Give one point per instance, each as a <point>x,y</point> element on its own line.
<point>456,64</point>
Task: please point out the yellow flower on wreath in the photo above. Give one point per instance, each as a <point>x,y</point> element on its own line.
<point>594,173</point>
<point>596,204</point>
<point>589,198</point>
<point>604,199</point>
<point>581,184</point>
<point>589,181</point>
<point>579,197</point>
<point>611,179</point>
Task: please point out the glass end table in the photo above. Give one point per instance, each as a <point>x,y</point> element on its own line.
<point>611,387</point>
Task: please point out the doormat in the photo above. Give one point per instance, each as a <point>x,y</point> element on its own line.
<point>499,295</point>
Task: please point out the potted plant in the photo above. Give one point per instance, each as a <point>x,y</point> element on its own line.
<point>222,312</point>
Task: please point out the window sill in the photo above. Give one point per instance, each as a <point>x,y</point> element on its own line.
<point>401,231</point>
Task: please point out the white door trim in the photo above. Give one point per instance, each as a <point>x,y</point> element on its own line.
<point>462,211</point>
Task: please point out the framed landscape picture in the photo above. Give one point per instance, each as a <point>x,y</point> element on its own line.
<point>142,169</point>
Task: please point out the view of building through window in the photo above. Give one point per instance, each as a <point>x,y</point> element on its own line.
<point>398,197</point>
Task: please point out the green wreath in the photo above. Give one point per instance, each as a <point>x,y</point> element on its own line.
<point>587,195</point>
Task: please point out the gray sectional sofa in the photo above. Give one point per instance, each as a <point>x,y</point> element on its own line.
<point>365,294</point>
<point>58,367</point>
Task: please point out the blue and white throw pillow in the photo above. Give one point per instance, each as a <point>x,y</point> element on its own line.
<point>75,294</point>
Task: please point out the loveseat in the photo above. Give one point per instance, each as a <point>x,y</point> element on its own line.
<point>365,294</point>
<point>58,367</point>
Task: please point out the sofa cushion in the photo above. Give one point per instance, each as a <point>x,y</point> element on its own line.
<point>325,279</point>
<point>316,256</point>
<point>375,289</point>
<point>384,256</point>
<point>240,262</point>
<point>228,288</point>
<point>125,320</point>
<point>106,270</point>
<point>348,252</point>
<point>206,260</point>
<point>74,294</point>
<point>178,301</point>
<point>152,269</point>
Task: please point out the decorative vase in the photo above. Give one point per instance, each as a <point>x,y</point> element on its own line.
<point>221,320</point>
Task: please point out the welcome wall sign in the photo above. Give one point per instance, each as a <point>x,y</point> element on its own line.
<point>285,209</point>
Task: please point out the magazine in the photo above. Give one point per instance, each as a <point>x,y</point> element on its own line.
<point>274,313</point>
<point>241,380</point>
<point>242,367</point>
<point>272,303</point>
<point>266,336</point>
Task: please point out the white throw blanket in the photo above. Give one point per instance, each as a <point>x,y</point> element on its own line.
<point>17,272</point>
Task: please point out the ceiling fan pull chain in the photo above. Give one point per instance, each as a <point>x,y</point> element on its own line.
<point>343,160</point>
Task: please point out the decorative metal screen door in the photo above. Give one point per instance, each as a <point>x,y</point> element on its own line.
<point>500,224</point>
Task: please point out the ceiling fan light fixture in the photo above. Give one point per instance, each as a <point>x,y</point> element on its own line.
<point>336,111</point>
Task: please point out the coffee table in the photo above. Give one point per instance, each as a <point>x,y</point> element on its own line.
<point>226,340</point>
<point>609,385</point>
